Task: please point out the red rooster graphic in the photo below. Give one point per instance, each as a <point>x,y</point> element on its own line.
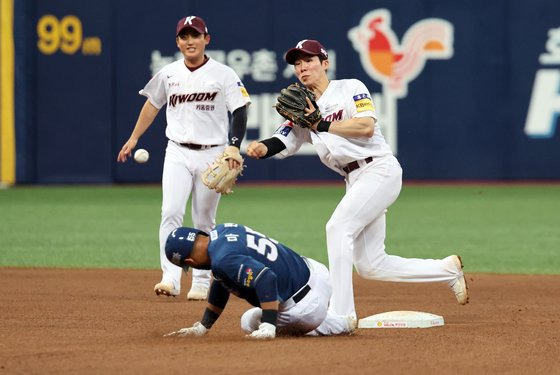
<point>394,64</point>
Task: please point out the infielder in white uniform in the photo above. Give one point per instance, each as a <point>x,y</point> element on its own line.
<point>349,141</point>
<point>199,93</point>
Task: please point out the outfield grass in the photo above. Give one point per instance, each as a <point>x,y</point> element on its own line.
<point>502,229</point>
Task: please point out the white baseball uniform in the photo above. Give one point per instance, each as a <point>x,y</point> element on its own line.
<point>198,103</point>
<point>356,229</point>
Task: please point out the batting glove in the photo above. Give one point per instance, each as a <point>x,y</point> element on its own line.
<point>265,331</point>
<point>196,330</point>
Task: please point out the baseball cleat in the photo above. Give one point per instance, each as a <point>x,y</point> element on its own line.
<point>459,285</point>
<point>167,289</point>
<point>197,293</point>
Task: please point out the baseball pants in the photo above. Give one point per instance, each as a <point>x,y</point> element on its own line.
<point>182,170</point>
<point>356,236</point>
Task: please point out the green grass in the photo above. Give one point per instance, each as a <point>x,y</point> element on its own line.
<point>502,229</point>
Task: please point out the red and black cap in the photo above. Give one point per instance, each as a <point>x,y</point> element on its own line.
<point>309,47</point>
<point>192,22</point>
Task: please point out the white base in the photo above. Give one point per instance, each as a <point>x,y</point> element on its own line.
<point>401,319</point>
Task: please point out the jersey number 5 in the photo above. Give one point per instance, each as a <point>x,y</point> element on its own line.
<point>263,246</point>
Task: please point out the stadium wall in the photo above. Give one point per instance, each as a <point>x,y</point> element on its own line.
<point>478,97</point>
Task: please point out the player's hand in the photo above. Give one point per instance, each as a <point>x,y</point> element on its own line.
<point>265,331</point>
<point>256,150</point>
<point>196,330</point>
<point>232,163</point>
<point>309,110</point>
<point>126,150</point>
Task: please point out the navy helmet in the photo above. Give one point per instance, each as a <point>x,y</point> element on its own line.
<point>179,245</point>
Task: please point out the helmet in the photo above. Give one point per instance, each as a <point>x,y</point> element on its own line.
<point>179,245</point>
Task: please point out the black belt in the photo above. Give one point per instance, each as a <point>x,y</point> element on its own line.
<point>302,293</point>
<point>355,165</point>
<point>193,146</point>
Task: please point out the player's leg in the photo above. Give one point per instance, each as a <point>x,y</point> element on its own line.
<point>251,319</point>
<point>310,315</point>
<point>371,260</point>
<point>332,323</point>
<point>369,191</point>
<point>204,207</point>
<point>176,187</point>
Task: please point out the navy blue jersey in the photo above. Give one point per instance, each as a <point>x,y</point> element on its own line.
<point>241,257</point>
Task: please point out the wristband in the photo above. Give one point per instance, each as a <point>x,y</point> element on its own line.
<point>269,316</point>
<point>234,141</point>
<point>209,318</point>
<point>323,126</point>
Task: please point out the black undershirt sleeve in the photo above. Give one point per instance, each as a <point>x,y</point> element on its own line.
<point>274,146</point>
<point>238,126</point>
<point>218,295</point>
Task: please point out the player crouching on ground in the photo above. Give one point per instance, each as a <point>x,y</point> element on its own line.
<point>290,293</point>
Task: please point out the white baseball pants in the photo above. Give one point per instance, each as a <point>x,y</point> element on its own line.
<point>356,235</point>
<point>182,170</point>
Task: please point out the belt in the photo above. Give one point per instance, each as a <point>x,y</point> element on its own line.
<point>302,293</point>
<point>193,146</point>
<point>356,164</point>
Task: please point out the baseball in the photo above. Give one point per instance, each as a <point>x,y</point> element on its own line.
<point>141,156</point>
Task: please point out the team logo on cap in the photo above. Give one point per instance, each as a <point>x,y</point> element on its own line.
<point>395,64</point>
<point>299,45</point>
<point>189,19</point>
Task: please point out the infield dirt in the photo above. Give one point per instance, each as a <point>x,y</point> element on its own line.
<point>57,321</point>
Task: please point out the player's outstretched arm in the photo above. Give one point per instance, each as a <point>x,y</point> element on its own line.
<point>145,119</point>
<point>265,148</point>
<point>196,330</point>
<point>211,314</point>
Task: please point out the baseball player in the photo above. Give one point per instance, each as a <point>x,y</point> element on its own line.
<point>199,93</point>
<point>290,293</point>
<point>349,141</point>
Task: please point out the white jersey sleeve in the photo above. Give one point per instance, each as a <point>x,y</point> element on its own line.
<point>362,105</point>
<point>155,90</point>
<point>293,137</point>
<point>235,92</point>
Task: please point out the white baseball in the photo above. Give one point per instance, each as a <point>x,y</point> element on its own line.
<point>141,156</point>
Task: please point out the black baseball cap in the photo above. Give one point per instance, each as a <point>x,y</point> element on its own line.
<point>308,46</point>
<point>192,22</point>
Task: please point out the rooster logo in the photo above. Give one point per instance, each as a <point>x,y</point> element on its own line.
<point>394,65</point>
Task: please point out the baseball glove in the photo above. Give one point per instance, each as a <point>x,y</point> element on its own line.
<point>291,105</point>
<point>219,177</point>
